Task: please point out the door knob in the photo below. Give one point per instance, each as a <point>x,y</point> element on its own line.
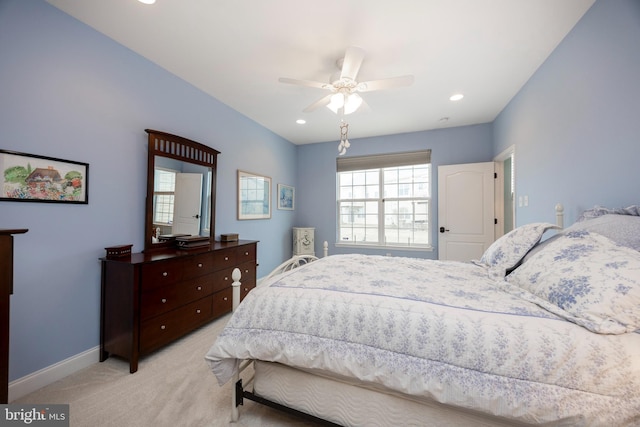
<point>442,229</point>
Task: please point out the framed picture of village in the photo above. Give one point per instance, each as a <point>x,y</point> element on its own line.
<point>32,178</point>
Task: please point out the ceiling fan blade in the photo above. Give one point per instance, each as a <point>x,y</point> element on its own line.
<point>319,103</point>
<point>351,63</point>
<point>308,83</point>
<point>389,83</point>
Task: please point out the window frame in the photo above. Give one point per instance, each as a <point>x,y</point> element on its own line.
<point>382,163</point>
<point>157,193</point>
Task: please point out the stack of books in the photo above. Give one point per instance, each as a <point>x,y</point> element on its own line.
<point>192,242</point>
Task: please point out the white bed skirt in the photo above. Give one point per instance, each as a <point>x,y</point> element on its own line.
<point>356,404</point>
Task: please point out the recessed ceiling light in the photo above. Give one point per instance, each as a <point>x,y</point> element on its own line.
<point>147,1</point>
<point>456,97</point>
<point>301,121</point>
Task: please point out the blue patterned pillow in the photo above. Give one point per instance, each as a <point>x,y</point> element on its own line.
<point>506,253</point>
<point>587,279</point>
<point>622,229</point>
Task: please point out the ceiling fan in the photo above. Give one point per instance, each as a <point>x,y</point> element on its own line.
<point>344,86</point>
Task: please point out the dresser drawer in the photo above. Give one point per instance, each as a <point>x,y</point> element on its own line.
<point>246,253</point>
<point>222,302</point>
<point>166,298</point>
<point>163,329</point>
<point>222,279</point>
<point>224,258</point>
<point>248,271</point>
<point>161,273</point>
<point>198,265</point>
<point>245,289</point>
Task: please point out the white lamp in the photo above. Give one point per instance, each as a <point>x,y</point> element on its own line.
<point>353,102</point>
<point>348,102</point>
<point>337,102</point>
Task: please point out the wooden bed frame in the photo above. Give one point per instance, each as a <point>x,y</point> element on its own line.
<point>432,411</point>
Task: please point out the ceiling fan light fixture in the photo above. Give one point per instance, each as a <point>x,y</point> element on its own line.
<point>352,103</point>
<point>336,103</point>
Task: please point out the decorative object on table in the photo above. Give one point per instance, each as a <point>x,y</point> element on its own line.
<point>118,251</point>
<point>254,196</point>
<point>229,237</point>
<point>286,197</point>
<point>303,241</point>
<point>33,178</point>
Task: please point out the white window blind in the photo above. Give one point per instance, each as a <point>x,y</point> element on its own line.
<point>379,161</point>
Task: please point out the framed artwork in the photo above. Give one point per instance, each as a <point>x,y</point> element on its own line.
<point>254,196</point>
<point>286,197</point>
<point>32,178</point>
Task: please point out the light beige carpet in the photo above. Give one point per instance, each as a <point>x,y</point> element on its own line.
<point>173,387</point>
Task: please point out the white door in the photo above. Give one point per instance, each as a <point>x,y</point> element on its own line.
<point>187,204</point>
<point>465,210</point>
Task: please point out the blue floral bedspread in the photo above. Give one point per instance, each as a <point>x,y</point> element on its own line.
<point>443,330</point>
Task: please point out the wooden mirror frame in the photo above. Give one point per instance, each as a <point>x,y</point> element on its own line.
<point>183,149</point>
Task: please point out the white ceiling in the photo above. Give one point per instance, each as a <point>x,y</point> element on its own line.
<point>235,50</point>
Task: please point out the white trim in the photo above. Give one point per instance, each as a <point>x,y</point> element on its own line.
<point>424,248</point>
<point>36,380</point>
<point>499,160</point>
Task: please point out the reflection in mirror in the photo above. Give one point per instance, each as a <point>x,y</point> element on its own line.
<point>181,199</point>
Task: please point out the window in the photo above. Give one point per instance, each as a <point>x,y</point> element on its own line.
<point>384,200</point>
<point>164,195</point>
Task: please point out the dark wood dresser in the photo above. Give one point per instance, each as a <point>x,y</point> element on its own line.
<point>151,299</point>
<point>6,289</point>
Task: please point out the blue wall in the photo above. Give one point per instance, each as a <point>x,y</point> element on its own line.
<point>575,124</point>
<point>69,92</point>
<point>316,192</point>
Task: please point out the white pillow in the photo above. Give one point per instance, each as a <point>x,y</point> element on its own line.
<point>587,279</point>
<point>506,253</point>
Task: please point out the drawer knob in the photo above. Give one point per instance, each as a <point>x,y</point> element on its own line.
<point>226,258</point>
<point>226,299</point>
<point>246,289</point>
<point>164,300</point>
<point>199,288</point>
<point>163,327</point>
<point>226,279</point>
<point>199,265</point>
<point>198,311</point>
<point>165,274</point>
<point>246,253</point>
<point>246,271</point>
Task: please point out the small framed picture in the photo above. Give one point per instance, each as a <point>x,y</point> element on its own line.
<point>286,197</point>
<point>32,178</point>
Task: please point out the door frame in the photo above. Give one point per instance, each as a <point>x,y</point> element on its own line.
<point>510,152</point>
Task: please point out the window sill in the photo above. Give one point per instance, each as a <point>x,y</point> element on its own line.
<point>385,247</point>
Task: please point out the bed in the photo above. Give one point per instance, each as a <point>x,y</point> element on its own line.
<point>544,329</point>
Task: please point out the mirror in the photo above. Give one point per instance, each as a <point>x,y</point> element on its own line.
<point>181,181</point>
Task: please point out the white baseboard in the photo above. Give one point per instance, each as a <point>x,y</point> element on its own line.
<point>36,380</point>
